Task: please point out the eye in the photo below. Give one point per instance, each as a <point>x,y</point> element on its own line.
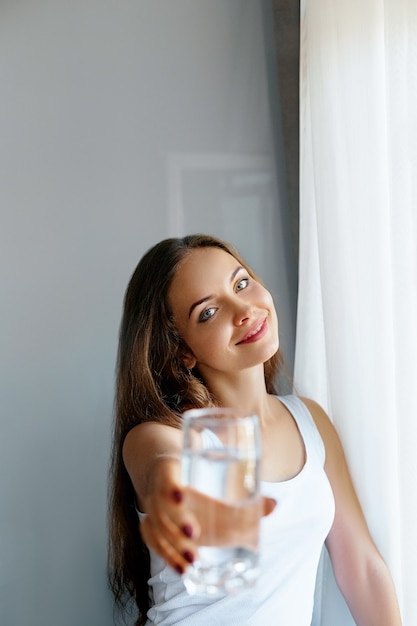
<point>206,314</point>
<point>242,284</point>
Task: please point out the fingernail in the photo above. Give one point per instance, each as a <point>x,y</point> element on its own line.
<point>188,556</point>
<point>187,530</point>
<point>179,569</point>
<point>177,495</point>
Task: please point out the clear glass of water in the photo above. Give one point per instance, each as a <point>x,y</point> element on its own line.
<point>221,468</point>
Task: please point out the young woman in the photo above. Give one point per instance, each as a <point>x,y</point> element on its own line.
<point>199,329</point>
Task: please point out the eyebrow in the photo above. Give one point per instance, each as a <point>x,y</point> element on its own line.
<point>206,298</point>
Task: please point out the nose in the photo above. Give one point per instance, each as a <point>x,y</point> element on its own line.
<point>241,313</point>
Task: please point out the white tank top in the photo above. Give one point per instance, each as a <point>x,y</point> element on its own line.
<point>292,538</point>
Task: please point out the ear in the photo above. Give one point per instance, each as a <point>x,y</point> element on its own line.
<point>188,359</point>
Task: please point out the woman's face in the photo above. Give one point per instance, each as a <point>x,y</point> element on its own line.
<point>226,318</point>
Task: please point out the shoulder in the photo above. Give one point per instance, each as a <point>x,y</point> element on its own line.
<point>337,470</point>
<point>319,415</point>
<point>323,423</point>
<point>145,447</point>
<point>150,438</point>
<point>335,465</point>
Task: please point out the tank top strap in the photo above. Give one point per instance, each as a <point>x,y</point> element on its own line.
<point>312,440</point>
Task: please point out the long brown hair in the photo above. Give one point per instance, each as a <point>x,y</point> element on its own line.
<point>151,385</point>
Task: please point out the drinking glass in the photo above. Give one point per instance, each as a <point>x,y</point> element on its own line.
<point>221,468</point>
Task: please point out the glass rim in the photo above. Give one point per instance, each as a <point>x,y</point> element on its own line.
<point>213,413</point>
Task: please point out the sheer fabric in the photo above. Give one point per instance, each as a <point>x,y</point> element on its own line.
<point>356,349</point>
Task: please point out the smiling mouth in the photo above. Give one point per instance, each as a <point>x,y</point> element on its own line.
<point>256,333</point>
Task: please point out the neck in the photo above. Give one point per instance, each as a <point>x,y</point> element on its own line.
<point>245,391</point>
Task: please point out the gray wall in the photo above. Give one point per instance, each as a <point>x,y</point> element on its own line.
<point>121,122</point>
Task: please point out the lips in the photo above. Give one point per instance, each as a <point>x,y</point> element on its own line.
<point>256,332</point>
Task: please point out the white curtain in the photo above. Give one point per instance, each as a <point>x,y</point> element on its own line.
<point>356,347</point>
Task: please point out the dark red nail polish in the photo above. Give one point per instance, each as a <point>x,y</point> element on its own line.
<point>188,556</point>
<point>179,569</point>
<point>177,495</point>
<point>187,530</point>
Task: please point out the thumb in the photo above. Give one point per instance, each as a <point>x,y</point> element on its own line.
<point>269,505</point>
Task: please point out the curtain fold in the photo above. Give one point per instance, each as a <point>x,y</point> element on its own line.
<point>357,310</point>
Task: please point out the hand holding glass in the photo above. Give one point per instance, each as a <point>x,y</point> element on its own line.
<point>220,467</point>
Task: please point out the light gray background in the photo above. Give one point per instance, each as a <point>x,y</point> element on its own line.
<point>121,122</point>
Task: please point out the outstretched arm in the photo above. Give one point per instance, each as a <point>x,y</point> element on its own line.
<point>152,456</point>
<point>359,568</point>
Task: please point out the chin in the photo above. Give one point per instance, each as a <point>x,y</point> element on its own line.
<point>270,352</point>
<point>273,346</point>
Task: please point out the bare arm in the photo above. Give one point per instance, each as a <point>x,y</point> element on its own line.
<point>359,568</point>
<point>151,454</point>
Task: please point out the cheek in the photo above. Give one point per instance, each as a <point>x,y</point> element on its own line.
<point>209,343</point>
<point>266,298</point>
<point>269,303</point>
<point>209,347</point>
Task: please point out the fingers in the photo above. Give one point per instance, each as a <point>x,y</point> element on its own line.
<point>170,530</point>
<point>169,545</point>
